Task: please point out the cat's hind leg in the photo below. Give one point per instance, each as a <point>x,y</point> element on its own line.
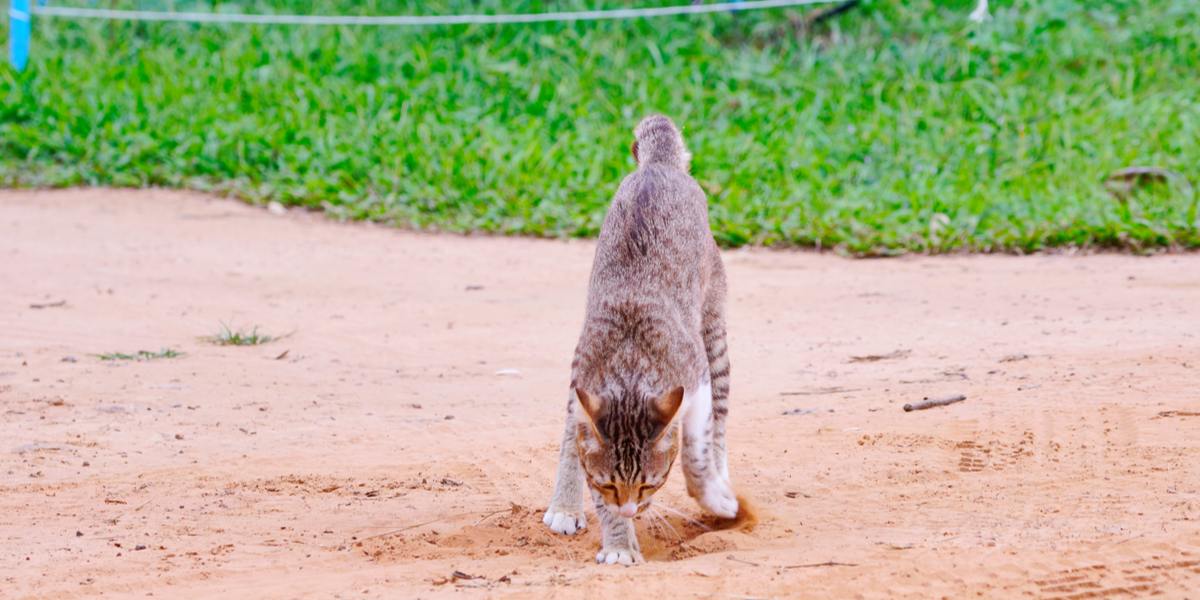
<point>565,514</point>
<point>718,367</point>
<point>702,468</point>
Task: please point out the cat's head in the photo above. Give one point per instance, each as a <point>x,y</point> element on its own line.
<point>626,454</point>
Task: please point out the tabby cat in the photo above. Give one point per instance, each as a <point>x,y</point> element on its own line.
<point>651,360</point>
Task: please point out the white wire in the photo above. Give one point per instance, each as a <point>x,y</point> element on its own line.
<point>477,19</point>
<point>980,14</point>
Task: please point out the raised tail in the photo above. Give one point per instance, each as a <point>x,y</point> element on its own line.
<point>656,140</point>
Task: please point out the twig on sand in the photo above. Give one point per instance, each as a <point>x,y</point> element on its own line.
<point>512,508</point>
<point>744,562</point>
<point>828,563</point>
<point>41,305</point>
<point>877,357</point>
<point>1178,413</point>
<point>928,402</point>
<point>820,391</point>
<point>458,576</point>
<point>395,531</point>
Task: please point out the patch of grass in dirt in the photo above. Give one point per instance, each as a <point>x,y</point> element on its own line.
<point>140,355</point>
<point>898,126</point>
<point>229,336</point>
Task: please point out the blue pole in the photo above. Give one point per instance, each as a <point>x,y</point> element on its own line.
<point>18,33</point>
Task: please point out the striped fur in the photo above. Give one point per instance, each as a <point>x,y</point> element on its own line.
<point>651,371</point>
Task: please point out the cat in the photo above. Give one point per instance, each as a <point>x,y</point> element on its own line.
<point>651,360</point>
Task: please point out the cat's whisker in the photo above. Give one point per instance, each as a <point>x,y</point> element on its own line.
<point>674,532</point>
<point>664,521</point>
<point>653,518</point>
<point>656,519</point>
<point>684,516</point>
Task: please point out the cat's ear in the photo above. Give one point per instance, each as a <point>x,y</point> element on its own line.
<point>592,405</point>
<point>633,150</point>
<point>667,405</point>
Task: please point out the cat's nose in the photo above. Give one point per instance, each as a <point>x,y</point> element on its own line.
<point>628,510</point>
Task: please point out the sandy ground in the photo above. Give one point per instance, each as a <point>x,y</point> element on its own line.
<point>386,443</point>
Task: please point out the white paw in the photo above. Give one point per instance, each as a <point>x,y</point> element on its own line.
<point>718,499</point>
<point>619,557</point>
<point>564,522</point>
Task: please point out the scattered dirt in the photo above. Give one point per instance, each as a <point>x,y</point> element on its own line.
<point>401,443</point>
<point>895,354</point>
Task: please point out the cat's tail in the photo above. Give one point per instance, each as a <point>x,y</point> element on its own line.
<point>656,140</point>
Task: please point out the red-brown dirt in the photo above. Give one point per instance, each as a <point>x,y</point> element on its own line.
<point>407,428</point>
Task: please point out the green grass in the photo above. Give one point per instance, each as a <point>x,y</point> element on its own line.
<point>228,336</point>
<point>141,355</point>
<point>899,126</point>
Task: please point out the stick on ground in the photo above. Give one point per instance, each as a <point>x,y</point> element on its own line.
<point>828,563</point>
<point>932,402</point>
<point>48,304</point>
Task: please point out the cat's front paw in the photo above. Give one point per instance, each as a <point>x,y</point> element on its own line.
<point>619,557</point>
<point>564,522</point>
<point>718,498</point>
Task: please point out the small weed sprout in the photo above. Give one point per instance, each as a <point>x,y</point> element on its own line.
<point>141,355</point>
<point>229,336</point>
